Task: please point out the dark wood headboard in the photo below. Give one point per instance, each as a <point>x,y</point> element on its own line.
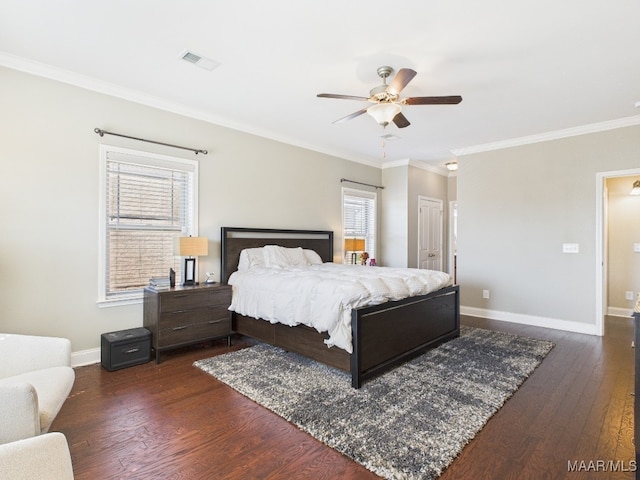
<point>234,240</point>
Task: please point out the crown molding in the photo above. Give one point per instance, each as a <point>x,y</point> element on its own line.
<point>555,135</point>
<point>106,88</point>
<point>90,83</point>
<point>439,170</point>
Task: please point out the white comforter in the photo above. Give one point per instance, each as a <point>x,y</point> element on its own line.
<point>322,296</point>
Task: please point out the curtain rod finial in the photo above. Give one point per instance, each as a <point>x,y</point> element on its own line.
<point>99,132</point>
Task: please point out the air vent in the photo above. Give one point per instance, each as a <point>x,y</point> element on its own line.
<point>199,61</point>
<point>191,57</point>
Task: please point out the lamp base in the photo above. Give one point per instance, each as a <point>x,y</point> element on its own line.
<point>189,271</point>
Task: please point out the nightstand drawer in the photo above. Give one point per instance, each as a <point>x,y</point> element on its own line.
<point>186,334</point>
<point>174,301</point>
<point>193,316</point>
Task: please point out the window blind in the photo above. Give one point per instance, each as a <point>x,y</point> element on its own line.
<point>359,218</point>
<point>148,202</point>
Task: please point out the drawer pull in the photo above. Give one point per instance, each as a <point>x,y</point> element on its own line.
<point>215,321</point>
<point>132,350</point>
<point>179,328</point>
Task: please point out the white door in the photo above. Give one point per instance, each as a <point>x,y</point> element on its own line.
<point>430,233</point>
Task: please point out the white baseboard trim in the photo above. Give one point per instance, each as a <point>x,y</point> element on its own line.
<point>619,312</point>
<point>91,356</point>
<point>532,320</point>
<point>85,357</point>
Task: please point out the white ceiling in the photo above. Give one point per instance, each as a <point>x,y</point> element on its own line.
<point>528,68</point>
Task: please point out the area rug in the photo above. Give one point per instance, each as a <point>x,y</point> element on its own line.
<point>409,423</point>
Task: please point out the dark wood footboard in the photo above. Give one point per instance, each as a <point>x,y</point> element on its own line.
<point>390,333</point>
<point>383,335</point>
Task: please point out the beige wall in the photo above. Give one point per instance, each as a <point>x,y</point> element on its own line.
<point>516,208</point>
<point>623,230</point>
<point>49,188</point>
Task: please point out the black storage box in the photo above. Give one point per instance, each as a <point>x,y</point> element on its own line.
<point>125,348</point>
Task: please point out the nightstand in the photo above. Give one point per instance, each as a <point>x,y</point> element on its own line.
<point>187,315</point>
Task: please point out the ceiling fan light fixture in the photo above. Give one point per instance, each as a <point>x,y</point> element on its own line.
<point>383,113</point>
<point>451,166</point>
<point>636,188</point>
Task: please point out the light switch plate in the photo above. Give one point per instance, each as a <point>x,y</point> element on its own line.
<point>570,248</point>
<point>636,247</point>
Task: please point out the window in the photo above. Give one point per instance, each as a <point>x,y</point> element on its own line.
<point>359,221</point>
<point>146,200</point>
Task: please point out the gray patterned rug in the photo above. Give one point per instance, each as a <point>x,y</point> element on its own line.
<point>409,423</point>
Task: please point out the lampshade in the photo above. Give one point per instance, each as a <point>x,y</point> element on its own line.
<point>354,244</point>
<point>636,188</point>
<point>384,112</point>
<point>191,246</point>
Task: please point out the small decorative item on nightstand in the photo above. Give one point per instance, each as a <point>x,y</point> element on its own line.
<point>210,278</point>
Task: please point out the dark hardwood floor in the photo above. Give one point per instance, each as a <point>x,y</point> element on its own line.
<point>172,421</point>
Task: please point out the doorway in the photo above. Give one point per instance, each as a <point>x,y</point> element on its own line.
<point>602,226</point>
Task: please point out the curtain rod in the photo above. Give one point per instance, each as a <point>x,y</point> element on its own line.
<point>360,183</point>
<point>104,132</point>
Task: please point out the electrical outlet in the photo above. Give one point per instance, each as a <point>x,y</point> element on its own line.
<point>485,294</point>
<point>628,295</point>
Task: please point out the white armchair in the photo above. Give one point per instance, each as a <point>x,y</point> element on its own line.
<point>45,457</point>
<point>35,380</point>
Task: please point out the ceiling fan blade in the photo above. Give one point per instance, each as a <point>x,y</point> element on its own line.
<point>401,121</point>
<point>344,97</point>
<point>353,115</point>
<point>451,100</point>
<point>401,80</point>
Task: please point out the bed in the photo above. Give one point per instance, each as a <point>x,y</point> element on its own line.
<point>382,335</point>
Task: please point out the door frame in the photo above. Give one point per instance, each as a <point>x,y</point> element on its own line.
<point>451,244</point>
<point>441,202</point>
<point>601,254</point>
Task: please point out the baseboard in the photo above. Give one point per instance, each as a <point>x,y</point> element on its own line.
<point>88,357</point>
<point>619,312</point>
<point>85,357</point>
<point>532,320</point>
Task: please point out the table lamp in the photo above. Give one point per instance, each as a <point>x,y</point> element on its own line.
<point>354,245</point>
<point>190,247</point>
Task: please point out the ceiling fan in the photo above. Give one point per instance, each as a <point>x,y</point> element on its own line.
<point>387,106</point>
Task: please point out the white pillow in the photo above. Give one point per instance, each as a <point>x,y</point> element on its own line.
<point>312,257</point>
<point>250,258</point>
<point>282,257</point>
